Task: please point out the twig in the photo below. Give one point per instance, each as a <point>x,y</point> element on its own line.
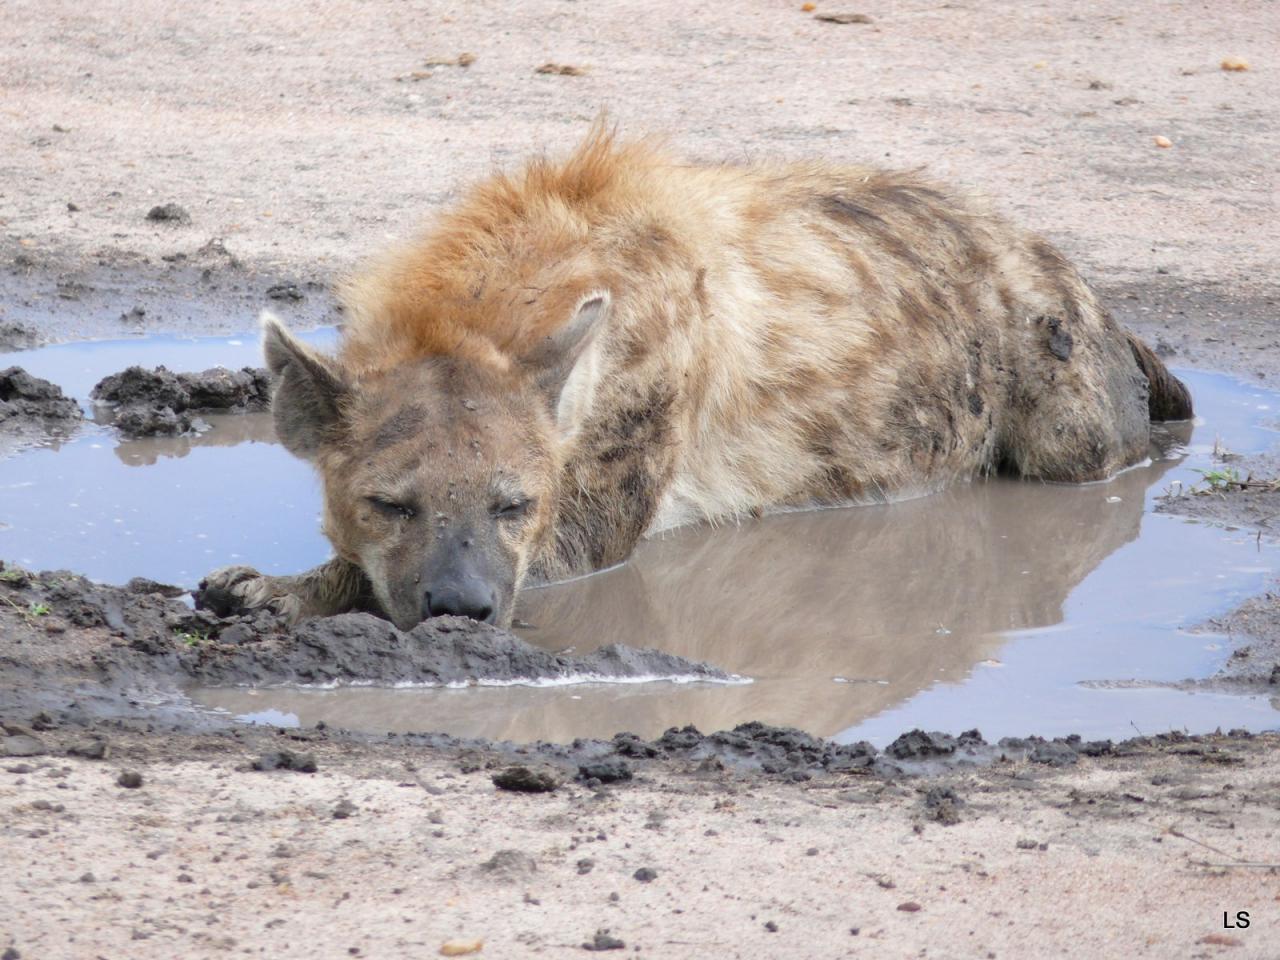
<point>1174,831</point>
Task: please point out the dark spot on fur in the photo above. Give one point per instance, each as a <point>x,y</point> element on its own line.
<point>975,405</point>
<point>608,507</point>
<point>1060,339</point>
<point>700,289</point>
<point>843,209</point>
<point>873,224</point>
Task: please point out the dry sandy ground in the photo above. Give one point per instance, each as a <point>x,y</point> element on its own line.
<point>298,133</point>
<point>1135,856</point>
<point>294,130</point>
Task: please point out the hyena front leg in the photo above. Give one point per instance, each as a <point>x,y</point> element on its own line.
<point>333,587</point>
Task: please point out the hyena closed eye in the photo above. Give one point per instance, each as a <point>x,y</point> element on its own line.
<point>586,352</point>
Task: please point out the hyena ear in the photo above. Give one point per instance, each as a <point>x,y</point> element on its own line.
<point>565,367</point>
<point>306,402</point>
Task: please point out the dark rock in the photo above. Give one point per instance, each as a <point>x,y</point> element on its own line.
<point>943,805</point>
<point>585,866</point>
<point>286,760</point>
<point>168,213</point>
<point>284,291</point>
<point>524,779</point>
<point>610,770</point>
<point>143,586</point>
<point>629,745</point>
<point>1096,748</point>
<point>603,941</point>
<point>92,749</point>
<point>344,809</point>
<point>129,779</point>
<point>1054,753</point>
<point>646,875</point>
<point>918,745</point>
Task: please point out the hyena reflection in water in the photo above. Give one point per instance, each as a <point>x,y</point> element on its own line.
<point>588,351</point>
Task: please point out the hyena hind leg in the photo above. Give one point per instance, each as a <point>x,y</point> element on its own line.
<point>1079,428</point>
<point>1072,437</point>
<point>333,587</point>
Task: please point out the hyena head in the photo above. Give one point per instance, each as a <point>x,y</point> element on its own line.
<point>440,474</point>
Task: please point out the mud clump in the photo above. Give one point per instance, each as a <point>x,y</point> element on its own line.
<point>160,403</point>
<point>169,213</point>
<point>32,409</point>
<point>918,745</point>
<point>603,940</point>
<point>288,760</point>
<point>605,771</point>
<point>525,779</point>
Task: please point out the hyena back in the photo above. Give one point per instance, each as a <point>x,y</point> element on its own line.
<point>589,351</point>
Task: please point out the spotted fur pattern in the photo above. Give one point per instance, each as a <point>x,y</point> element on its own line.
<point>657,343</point>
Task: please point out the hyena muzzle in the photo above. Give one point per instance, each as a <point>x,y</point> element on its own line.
<point>588,351</point>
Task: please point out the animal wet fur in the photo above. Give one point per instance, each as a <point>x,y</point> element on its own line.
<point>621,342</point>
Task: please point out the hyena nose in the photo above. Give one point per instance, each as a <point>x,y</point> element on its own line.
<point>473,599</point>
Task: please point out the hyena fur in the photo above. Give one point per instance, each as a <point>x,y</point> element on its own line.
<point>585,352</point>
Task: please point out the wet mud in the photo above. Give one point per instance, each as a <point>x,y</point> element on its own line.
<point>32,410</point>
<point>139,637</point>
<point>78,653</point>
<point>158,402</point>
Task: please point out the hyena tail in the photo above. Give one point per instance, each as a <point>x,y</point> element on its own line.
<point>1169,398</point>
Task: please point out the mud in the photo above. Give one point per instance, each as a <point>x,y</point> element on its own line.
<point>138,638</point>
<point>1235,492</point>
<point>83,654</point>
<point>33,410</point>
<point>158,402</point>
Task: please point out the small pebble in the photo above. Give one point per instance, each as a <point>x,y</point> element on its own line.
<point>460,948</point>
<point>129,779</point>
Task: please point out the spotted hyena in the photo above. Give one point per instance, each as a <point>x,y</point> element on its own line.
<point>588,351</point>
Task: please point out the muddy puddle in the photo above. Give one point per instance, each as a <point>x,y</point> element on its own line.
<point>1012,607</point>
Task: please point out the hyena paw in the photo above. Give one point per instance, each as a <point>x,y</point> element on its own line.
<point>229,591</point>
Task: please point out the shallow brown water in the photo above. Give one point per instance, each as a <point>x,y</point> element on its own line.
<point>994,604</point>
